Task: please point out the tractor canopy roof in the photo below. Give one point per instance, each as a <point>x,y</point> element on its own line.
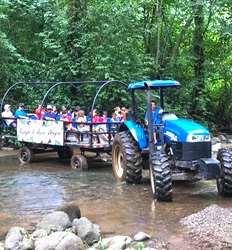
<point>153,84</point>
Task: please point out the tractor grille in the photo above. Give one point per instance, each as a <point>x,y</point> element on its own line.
<point>188,151</point>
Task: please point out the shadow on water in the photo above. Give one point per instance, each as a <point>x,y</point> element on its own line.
<point>28,192</point>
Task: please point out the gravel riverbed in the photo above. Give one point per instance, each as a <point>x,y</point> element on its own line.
<point>210,228</point>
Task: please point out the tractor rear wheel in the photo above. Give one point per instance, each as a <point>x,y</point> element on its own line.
<point>126,158</point>
<point>224,184</point>
<point>160,176</point>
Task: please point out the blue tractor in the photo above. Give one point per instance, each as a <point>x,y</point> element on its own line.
<point>182,152</point>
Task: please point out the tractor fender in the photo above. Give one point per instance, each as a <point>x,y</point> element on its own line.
<point>137,132</point>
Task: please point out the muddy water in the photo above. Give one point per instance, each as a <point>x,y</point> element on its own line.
<point>29,192</point>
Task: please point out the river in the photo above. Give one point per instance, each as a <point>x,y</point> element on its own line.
<point>29,192</point>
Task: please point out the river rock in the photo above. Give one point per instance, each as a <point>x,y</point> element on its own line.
<point>74,222</point>
<point>222,138</point>
<point>58,219</point>
<point>149,248</point>
<point>229,140</point>
<point>87,231</point>
<point>117,242</point>
<point>18,239</point>
<point>215,140</point>
<point>97,230</point>
<point>40,233</point>
<point>216,147</point>
<point>71,209</point>
<point>1,246</point>
<point>141,236</point>
<point>60,241</point>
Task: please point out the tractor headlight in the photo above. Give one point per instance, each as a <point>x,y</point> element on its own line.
<point>197,138</point>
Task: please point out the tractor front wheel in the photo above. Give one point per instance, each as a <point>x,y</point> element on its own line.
<point>160,176</point>
<point>224,183</point>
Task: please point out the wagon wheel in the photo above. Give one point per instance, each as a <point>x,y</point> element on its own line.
<point>65,152</point>
<point>25,155</point>
<point>79,162</point>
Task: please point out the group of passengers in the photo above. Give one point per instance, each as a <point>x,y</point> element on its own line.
<point>78,116</point>
<point>75,121</point>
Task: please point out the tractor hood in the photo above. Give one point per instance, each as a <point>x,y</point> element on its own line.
<point>185,131</point>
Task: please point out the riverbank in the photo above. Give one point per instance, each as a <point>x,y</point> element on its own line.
<point>210,228</point>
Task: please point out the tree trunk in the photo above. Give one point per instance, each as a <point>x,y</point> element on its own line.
<point>198,52</point>
<point>179,40</point>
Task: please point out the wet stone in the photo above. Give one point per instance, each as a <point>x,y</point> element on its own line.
<point>71,209</point>
<point>18,238</point>
<point>87,231</point>
<point>57,219</point>
<point>60,241</point>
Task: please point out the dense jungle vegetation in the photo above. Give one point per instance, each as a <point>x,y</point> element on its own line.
<point>78,40</point>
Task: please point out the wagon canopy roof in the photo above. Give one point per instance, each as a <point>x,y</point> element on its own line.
<point>153,84</point>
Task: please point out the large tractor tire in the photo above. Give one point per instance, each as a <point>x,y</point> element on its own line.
<point>65,152</point>
<point>160,176</point>
<point>25,155</point>
<point>126,158</point>
<point>224,183</point>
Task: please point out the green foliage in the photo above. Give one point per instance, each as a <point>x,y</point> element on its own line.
<point>57,40</point>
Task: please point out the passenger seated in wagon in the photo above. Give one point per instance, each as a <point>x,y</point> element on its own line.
<point>8,114</point>
<point>20,112</point>
<point>68,126</point>
<point>39,112</point>
<point>48,115</point>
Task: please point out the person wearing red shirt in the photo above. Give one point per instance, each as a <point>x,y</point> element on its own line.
<point>37,111</point>
<point>68,126</point>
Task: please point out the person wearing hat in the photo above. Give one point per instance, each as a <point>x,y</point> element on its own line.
<point>49,115</point>
<point>20,112</point>
<point>75,111</point>
<point>8,114</point>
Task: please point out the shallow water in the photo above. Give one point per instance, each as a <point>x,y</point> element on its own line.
<point>28,192</point>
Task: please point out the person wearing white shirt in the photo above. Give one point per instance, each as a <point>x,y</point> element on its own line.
<point>8,114</point>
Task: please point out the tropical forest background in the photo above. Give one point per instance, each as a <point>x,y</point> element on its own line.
<point>128,40</point>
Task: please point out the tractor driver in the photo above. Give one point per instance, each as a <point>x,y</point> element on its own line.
<point>156,112</point>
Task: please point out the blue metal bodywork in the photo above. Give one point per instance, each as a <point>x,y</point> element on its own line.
<point>174,130</point>
<point>179,129</point>
<point>137,132</point>
<point>154,84</point>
